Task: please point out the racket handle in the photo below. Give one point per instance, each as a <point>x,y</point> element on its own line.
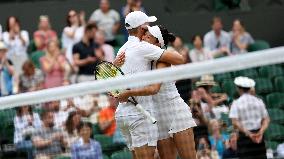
<point>146,113</point>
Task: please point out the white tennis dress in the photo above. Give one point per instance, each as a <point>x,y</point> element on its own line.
<point>172,113</point>
<point>135,127</point>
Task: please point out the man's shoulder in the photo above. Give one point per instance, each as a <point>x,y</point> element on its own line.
<point>113,12</point>
<point>209,34</point>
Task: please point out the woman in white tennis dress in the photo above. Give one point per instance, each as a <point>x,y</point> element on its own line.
<point>174,117</point>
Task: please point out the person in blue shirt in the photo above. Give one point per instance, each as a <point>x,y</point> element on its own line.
<point>218,140</point>
<point>85,147</point>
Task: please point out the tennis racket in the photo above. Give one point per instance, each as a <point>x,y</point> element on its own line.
<point>106,70</point>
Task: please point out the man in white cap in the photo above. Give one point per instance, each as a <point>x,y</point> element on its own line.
<point>250,117</point>
<point>140,134</point>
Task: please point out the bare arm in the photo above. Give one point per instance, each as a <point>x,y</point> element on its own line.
<point>10,68</point>
<point>239,126</point>
<point>116,28</point>
<point>38,142</point>
<point>146,91</point>
<point>172,57</point>
<point>264,124</point>
<point>80,62</point>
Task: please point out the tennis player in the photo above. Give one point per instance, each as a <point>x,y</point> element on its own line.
<point>174,117</point>
<point>140,134</point>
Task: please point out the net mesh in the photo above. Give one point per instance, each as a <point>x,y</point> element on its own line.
<point>25,116</point>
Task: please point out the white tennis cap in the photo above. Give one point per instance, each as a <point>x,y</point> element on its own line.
<point>137,18</point>
<point>244,82</point>
<point>156,32</point>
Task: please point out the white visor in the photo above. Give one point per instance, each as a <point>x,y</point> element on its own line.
<point>156,32</point>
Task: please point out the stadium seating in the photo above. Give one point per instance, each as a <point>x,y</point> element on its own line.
<point>35,56</point>
<point>252,73</point>
<point>121,155</point>
<point>222,76</point>
<point>116,48</point>
<point>271,71</point>
<point>279,84</point>
<point>105,156</point>
<point>275,132</point>
<point>275,100</point>
<point>271,144</point>
<point>107,144</point>
<point>258,45</point>
<point>276,115</point>
<point>96,129</point>
<point>263,86</point>
<point>120,39</point>
<point>216,89</point>
<point>229,88</point>
<point>221,5</point>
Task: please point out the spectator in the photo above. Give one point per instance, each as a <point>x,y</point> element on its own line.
<point>217,40</point>
<point>181,48</point>
<point>86,54</point>
<point>199,53</point>
<point>44,34</point>
<point>201,130</point>
<point>240,39</point>
<point>25,123</point>
<point>86,147</point>
<point>82,18</point>
<point>6,72</point>
<point>107,20</point>
<point>250,117</point>
<point>106,48</point>
<point>72,34</point>
<point>208,100</point>
<point>48,141</point>
<point>53,66</point>
<point>60,116</point>
<point>17,41</point>
<point>231,151</point>
<point>204,151</point>
<point>71,127</point>
<point>31,79</point>
<point>106,118</point>
<point>131,5</point>
<point>218,140</point>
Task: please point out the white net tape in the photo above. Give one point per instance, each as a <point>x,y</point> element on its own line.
<point>193,70</point>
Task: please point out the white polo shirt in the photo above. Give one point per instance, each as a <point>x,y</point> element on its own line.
<point>138,57</point>
<point>249,110</point>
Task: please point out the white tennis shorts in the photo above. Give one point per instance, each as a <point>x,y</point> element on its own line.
<point>137,131</point>
<point>173,116</point>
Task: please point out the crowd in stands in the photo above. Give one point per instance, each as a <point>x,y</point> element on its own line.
<point>66,127</point>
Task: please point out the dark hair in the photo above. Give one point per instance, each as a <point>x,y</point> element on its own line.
<point>216,19</point>
<point>167,36</point>
<point>194,37</point>
<point>7,22</point>
<point>84,124</point>
<point>244,89</point>
<point>19,111</point>
<point>29,63</point>
<point>68,22</point>
<point>44,114</point>
<point>90,26</point>
<point>69,122</point>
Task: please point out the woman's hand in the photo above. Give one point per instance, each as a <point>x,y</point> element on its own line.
<point>123,97</point>
<point>119,60</point>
